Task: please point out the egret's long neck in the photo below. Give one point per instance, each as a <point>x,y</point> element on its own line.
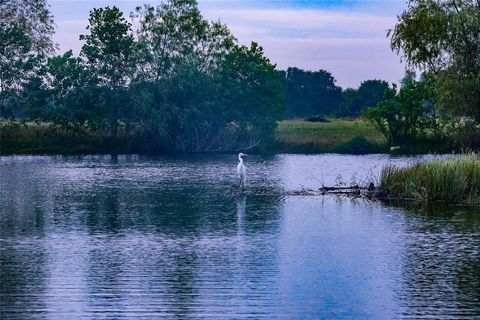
<point>240,158</point>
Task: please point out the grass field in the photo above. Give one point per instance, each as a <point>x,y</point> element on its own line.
<point>338,135</point>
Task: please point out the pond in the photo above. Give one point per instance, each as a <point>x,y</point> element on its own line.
<point>171,236</point>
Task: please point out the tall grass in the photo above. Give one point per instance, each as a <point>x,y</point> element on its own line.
<point>455,180</point>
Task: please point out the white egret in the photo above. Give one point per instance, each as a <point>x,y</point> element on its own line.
<point>242,171</point>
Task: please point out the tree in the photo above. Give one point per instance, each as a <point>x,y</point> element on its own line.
<point>26,29</point>
<point>177,87</point>
<point>175,33</point>
<point>236,107</point>
<point>368,94</point>
<point>406,115</point>
<point>443,37</point>
<point>253,94</point>
<point>72,93</point>
<point>109,52</point>
<point>182,84</point>
<point>35,20</point>
<point>310,92</point>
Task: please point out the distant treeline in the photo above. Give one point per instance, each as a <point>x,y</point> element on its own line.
<point>315,93</point>
<point>174,81</point>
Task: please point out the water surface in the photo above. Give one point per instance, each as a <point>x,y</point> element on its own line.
<point>133,236</point>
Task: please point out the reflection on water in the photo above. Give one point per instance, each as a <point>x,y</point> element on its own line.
<point>441,260</point>
<point>97,237</point>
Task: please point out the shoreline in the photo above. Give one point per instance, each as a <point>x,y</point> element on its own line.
<point>341,136</point>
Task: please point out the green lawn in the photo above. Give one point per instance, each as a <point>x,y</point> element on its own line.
<point>294,135</point>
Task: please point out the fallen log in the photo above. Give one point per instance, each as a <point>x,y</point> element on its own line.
<point>356,187</point>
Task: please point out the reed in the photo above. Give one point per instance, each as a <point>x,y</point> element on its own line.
<point>455,180</point>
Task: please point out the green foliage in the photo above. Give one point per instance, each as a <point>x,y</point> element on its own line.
<point>35,21</point>
<point>407,115</point>
<point>26,28</point>
<point>73,93</point>
<point>175,33</point>
<point>177,90</point>
<point>109,55</point>
<point>183,86</point>
<point>109,48</point>
<point>253,94</point>
<point>443,37</point>
<point>456,180</point>
<point>236,107</point>
<point>310,92</point>
<point>179,82</point>
<point>368,94</point>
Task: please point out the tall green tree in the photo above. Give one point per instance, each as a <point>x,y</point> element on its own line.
<point>73,94</point>
<point>310,92</point>
<point>368,94</point>
<point>253,94</point>
<point>443,37</point>
<point>174,33</point>
<point>26,29</point>
<point>109,53</point>
<point>406,115</point>
<point>181,55</point>
<point>35,20</point>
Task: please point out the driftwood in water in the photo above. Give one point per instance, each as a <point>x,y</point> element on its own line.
<point>369,192</point>
<point>339,188</point>
<point>349,191</point>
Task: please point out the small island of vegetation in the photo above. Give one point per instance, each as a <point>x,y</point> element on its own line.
<point>454,180</point>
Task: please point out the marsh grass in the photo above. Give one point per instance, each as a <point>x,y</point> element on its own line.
<point>454,180</point>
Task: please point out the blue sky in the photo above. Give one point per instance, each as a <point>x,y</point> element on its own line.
<point>347,38</point>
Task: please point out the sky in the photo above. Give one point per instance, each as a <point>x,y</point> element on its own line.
<point>346,38</point>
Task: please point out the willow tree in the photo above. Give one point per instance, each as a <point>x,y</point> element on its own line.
<point>443,37</point>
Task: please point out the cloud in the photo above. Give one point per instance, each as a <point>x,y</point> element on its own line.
<point>352,44</point>
<point>307,19</point>
<point>348,40</point>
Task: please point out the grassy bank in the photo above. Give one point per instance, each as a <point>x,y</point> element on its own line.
<point>342,136</point>
<point>291,136</point>
<point>455,180</point>
<point>338,135</point>
<point>45,138</point>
